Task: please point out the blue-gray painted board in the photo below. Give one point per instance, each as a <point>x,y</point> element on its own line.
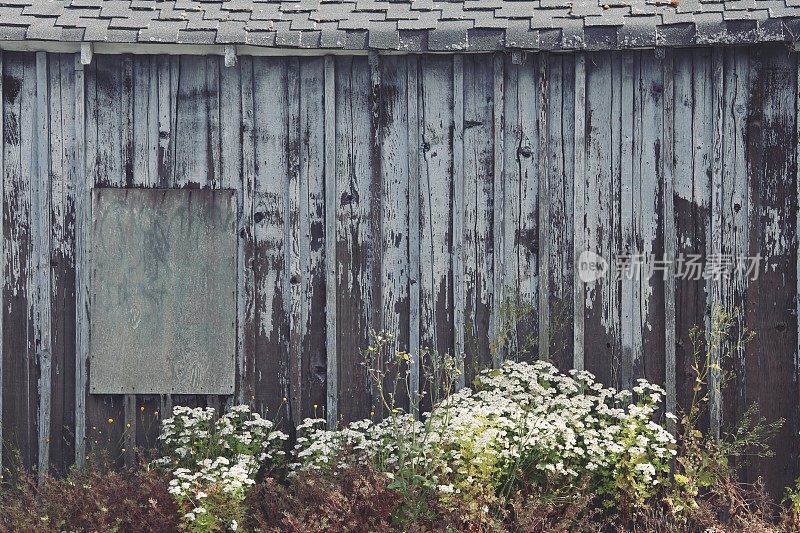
<point>163,292</point>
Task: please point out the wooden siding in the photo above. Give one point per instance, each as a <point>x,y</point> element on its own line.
<point>420,194</point>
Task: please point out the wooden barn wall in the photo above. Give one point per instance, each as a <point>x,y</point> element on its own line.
<point>444,198</point>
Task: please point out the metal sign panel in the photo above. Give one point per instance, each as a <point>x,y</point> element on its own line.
<point>163,291</point>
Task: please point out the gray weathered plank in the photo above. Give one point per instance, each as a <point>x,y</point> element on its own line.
<point>436,200</point>
<point>374,255</point>
<point>602,295</point>
<point>394,245</point>
<point>716,228</point>
<point>630,315</point>
<point>82,218</point>
<point>331,296</point>
<point>692,132</point>
<point>543,234</point>
<point>499,212</point>
<point>560,147</point>
<point>459,289</point>
<point>246,285</point>
<point>579,212</point>
<point>667,170</point>
<point>414,172</point>
<point>648,155</point>
<point>41,232</point>
<point>295,214</point>
<point>354,233</point>
<point>19,262</point>
<point>312,175</point>
<point>522,153</point>
<point>479,213</point>
<point>272,167</point>
<point>20,350</point>
<point>735,217</point>
<point>231,107</point>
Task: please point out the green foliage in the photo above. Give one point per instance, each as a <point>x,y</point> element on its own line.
<point>519,425</point>
<point>703,464</point>
<point>214,462</point>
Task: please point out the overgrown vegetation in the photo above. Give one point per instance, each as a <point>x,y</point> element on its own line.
<point>522,448</point>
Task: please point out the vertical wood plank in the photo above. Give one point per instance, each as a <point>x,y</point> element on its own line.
<point>82,219</point>
<point>602,295</point>
<point>165,125</point>
<point>377,208</point>
<point>312,176</point>
<point>414,170</point>
<point>735,221</point>
<point>354,233</point>
<point>691,185</point>
<point>579,212</point>
<point>499,211</point>
<point>631,340</point>
<point>436,201</point>
<point>246,285</point>
<point>522,153</point>
<point>273,164</point>
<point>479,185</point>
<point>20,371</point>
<point>331,193</point>
<point>394,172</point>
<point>544,211</point>
<point>714,248</point>
<point>42,304</point>
<point>231,126</point>
<point>560,145</point>
<point>648,148</point>
<point>144,126</point>
<point>459,290</point>
<point>191,161</point>
<point>295,214</point>
<point>667,170</point>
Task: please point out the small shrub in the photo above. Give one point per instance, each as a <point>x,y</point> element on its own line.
<point>521,424</point>
<point>355,500</point>
<point>88,500</point>
<point>214,462</point>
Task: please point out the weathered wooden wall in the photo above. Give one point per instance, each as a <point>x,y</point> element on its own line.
<point>418,194</point>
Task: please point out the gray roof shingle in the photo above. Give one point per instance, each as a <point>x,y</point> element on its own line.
<point>406,25</point>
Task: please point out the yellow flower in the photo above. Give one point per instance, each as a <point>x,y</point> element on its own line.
<point>110,420</point>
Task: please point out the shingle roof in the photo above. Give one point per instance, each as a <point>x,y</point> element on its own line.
<point>416,25</point>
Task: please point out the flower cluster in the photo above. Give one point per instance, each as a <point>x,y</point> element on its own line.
<point>214,461</point>
<point>521,422</point>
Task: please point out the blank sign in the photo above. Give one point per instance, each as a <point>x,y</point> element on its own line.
<point>163,291</point>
